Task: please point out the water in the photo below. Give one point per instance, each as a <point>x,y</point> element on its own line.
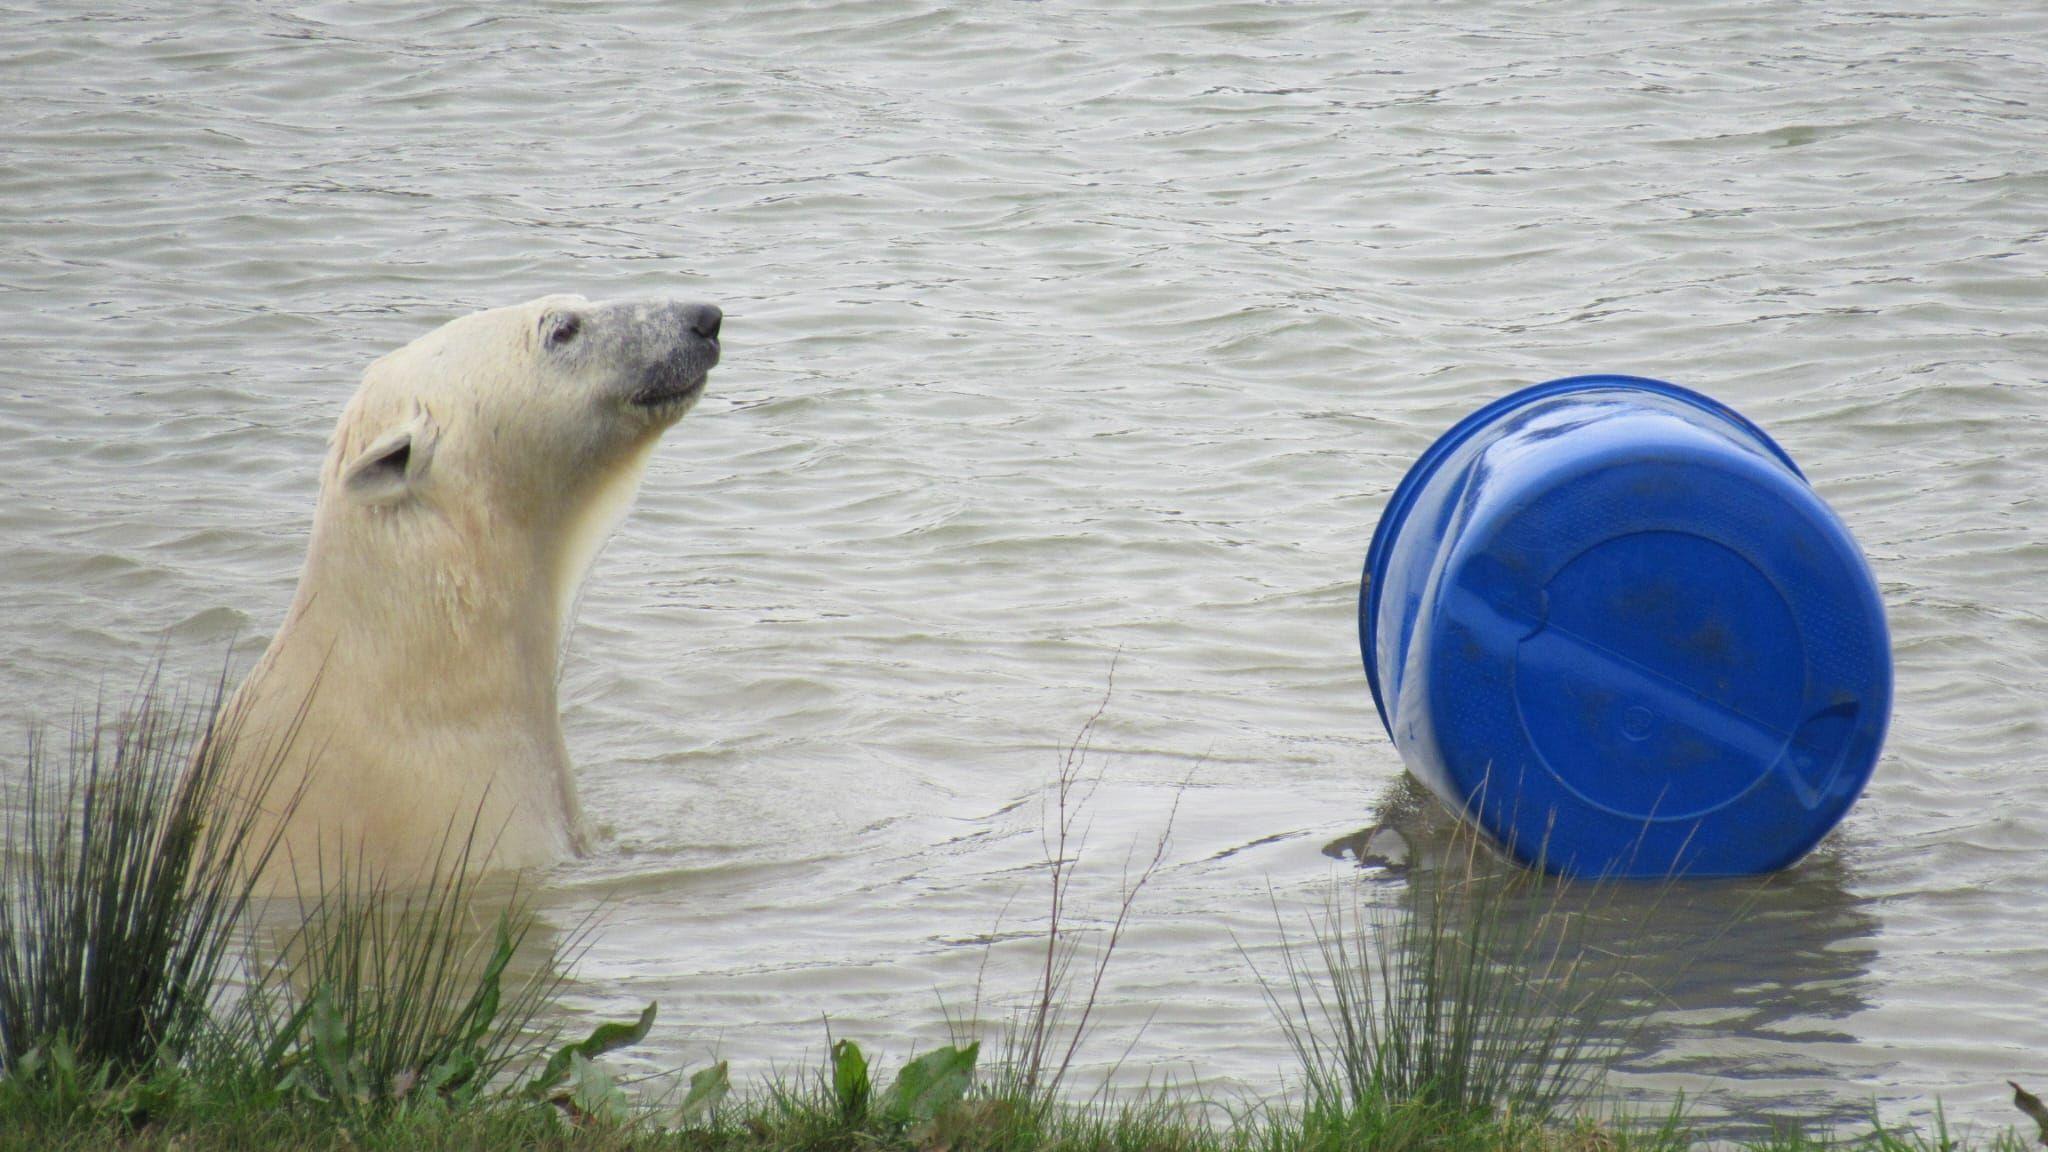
<point>1063,339</point>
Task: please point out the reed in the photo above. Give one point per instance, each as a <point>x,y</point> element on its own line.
<point>1482,999</point>
<point>1045,1038</point>
<point>126,865</point>
<point>132,980</point>
<point>392,992</point>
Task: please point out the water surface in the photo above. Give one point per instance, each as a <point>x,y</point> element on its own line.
<point>1062,339</point>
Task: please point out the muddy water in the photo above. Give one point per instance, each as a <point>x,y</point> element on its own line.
<point>1063,339</point>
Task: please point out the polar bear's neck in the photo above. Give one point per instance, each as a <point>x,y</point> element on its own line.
<point>434,641</point>
<point>471,607</point>
<point>584,536</point>
<point>411,696</point>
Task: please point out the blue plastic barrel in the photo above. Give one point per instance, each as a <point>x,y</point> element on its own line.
<point>1608,619</point>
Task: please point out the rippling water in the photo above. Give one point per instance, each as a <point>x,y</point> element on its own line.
<point>1057,334</point>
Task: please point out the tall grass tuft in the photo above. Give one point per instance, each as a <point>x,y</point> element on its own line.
<point>134,981</point>
<point>1484,998</point>
<point>124,870</point>
<point>391,993</point>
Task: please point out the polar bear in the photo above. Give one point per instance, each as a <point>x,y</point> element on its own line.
<point>411,691</point>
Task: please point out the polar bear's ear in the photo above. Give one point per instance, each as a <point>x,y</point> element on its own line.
<point>387,470</point>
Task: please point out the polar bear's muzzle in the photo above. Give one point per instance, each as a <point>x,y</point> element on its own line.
<point>683,340</point>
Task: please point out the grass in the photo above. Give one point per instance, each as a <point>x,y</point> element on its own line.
<point>804,1117</point>
<point>122,881</point>
<point>387,993</point>
<point>1040,1046</point>
<point>1494,991</point>
<point>143,1006</point>
<point>135,985</point>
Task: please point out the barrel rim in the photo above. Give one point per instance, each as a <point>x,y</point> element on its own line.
<point>1425,467</point>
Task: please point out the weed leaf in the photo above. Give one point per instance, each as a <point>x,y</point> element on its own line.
<point>592,1096</point>
<point>930,1084</point>
<point>2031,1104</point>
<point>483,1009</point>
<point>609,1036</point>
<point>331,1048</point>
<point>850,1085</point>
<point>708,1086</point>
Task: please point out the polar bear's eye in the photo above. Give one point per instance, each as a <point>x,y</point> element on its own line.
<point>560,329</point>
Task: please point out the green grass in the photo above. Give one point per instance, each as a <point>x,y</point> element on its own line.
<point>142,1006</point>
<point>1488,991</point>
<point>807,1117</point>
<point>137,985</point>
<point>123,879</point>
<point>387,991</point>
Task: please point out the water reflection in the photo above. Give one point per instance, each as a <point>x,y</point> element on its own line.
<point>1751,979</point>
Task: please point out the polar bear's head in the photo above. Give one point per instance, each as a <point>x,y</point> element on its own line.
<point>512,440</point>
<point>525,403</point>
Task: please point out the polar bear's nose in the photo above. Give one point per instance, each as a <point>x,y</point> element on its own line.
<point>704,319</point>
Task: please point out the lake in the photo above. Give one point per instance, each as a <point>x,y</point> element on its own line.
<point>1065,339</point>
